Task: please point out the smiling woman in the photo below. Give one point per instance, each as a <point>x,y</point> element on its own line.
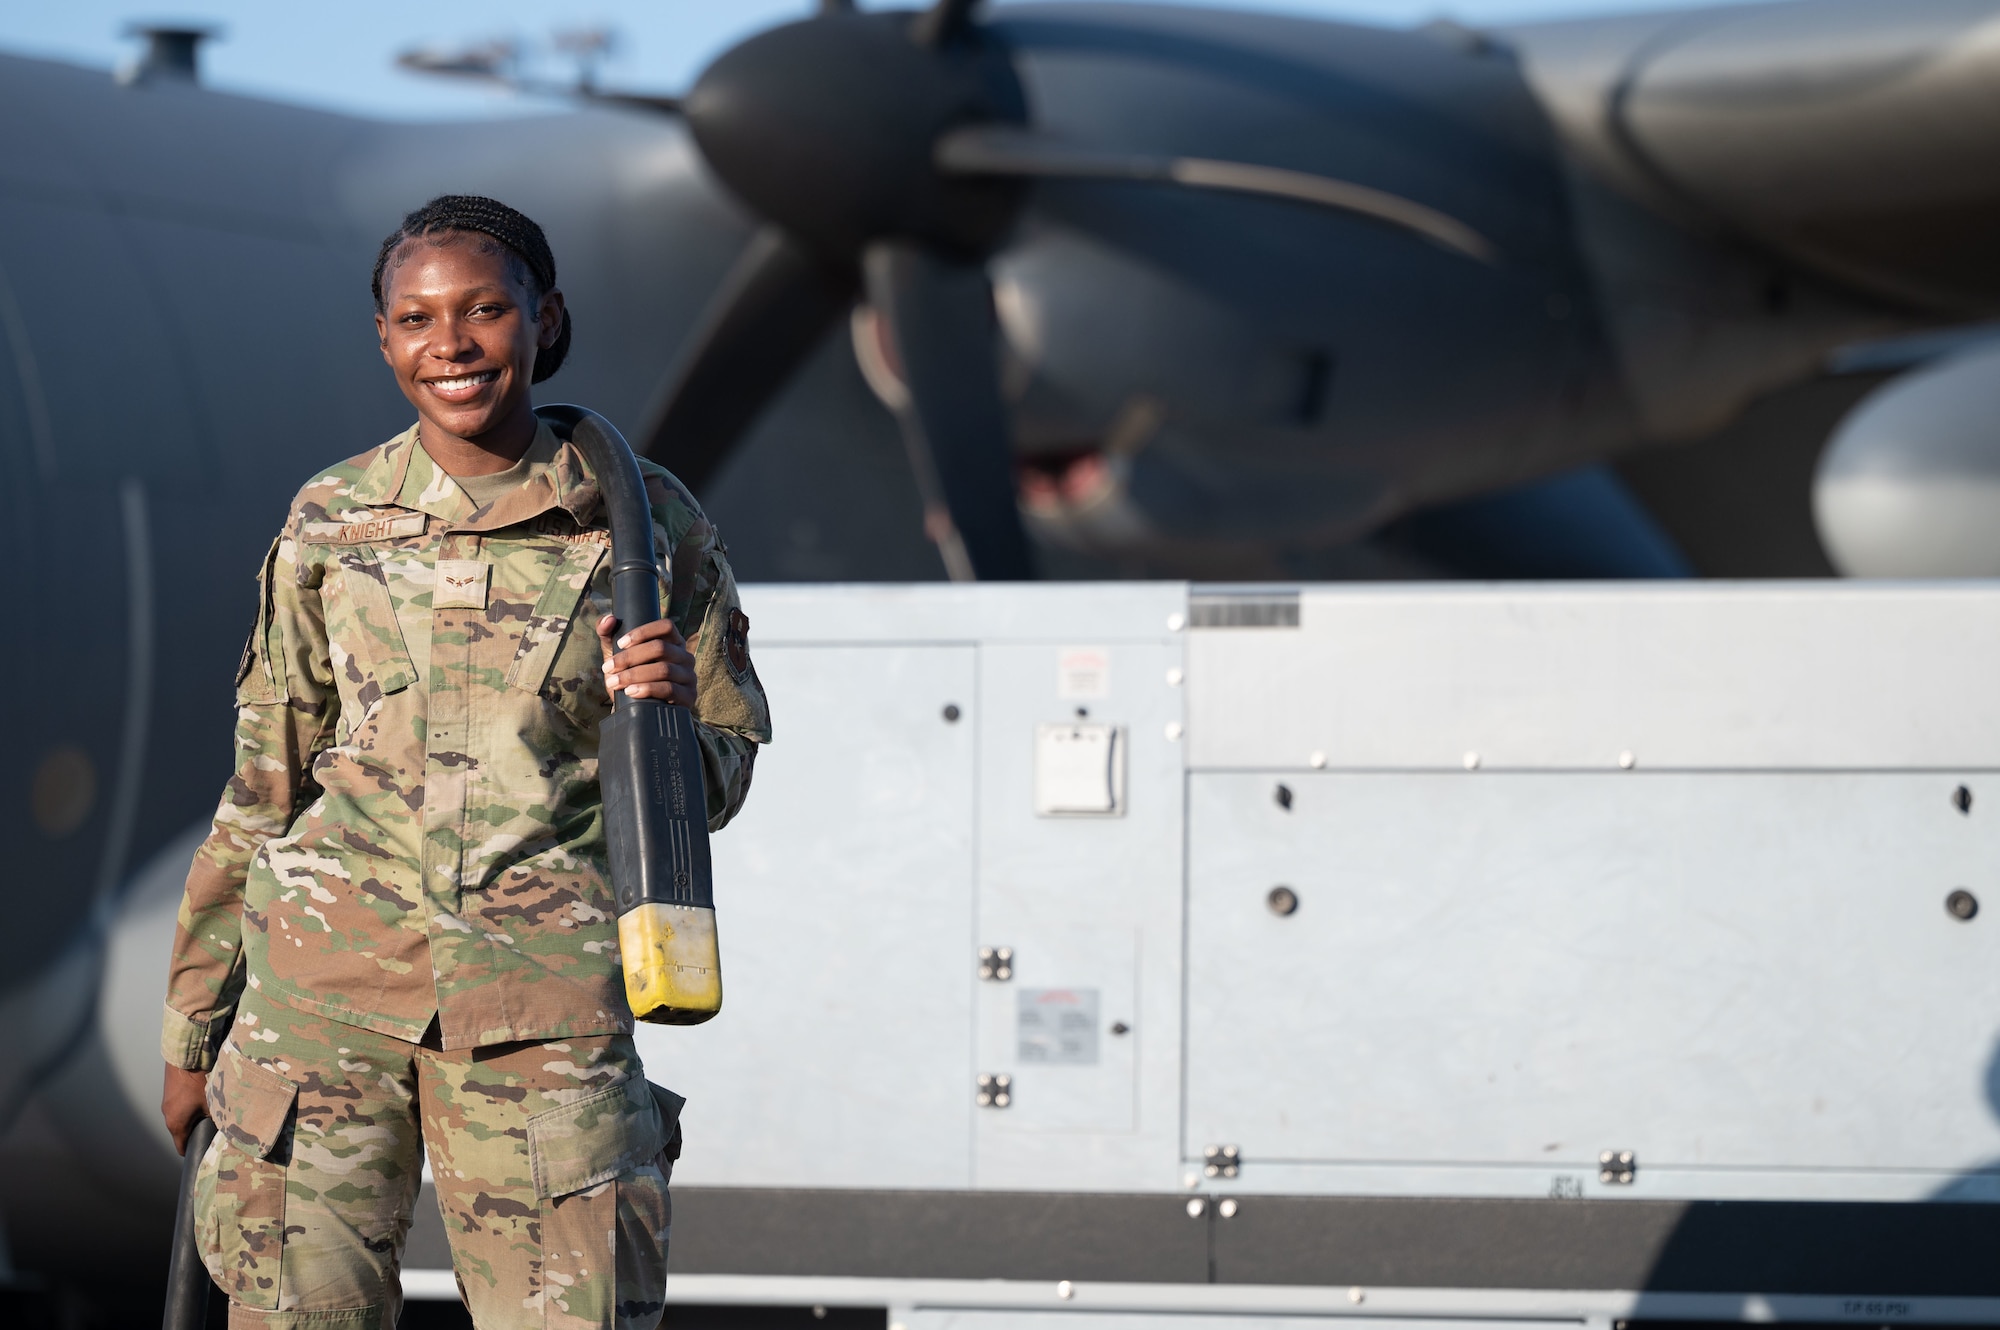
<point>468,314</point>
<point>399,936</point>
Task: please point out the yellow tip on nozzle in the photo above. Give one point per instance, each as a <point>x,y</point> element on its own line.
<point>673,968</point>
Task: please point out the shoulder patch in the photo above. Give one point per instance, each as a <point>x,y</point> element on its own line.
<point>249,655</point>
<point>736,644</point>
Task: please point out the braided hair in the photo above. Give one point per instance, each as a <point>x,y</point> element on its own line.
<point>501,230</point>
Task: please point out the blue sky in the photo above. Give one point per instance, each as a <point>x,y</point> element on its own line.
<point>340,55</point>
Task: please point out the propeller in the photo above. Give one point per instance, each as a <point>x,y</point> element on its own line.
<point>827,128</point>
<point>888,154</point>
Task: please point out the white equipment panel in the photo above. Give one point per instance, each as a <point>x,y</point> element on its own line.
<point>1658,869</point>
<point>1724,971</point>
<point>845,915</point>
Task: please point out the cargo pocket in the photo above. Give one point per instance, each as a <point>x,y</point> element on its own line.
<point>597,1169</point>
<point>242,1181</point>
<point>594,1139</point>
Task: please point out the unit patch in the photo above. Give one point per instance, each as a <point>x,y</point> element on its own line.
<point>736,644</point>
<point>461,584</point>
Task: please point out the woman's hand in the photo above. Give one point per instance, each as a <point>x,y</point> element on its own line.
<point>652,660</point>
<point>183,1103</point>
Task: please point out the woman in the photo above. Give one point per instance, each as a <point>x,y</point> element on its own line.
<point>399,934</point>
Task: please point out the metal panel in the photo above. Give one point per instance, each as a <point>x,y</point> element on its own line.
<point>842,1056</point>
<point>1718,971</point>
<point>1691,676</point>
<point>1087,903</point>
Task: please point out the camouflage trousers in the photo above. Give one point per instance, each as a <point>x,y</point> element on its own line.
<point>551,1163</point>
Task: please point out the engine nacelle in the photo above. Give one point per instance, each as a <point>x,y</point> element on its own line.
<point>1909,485</point>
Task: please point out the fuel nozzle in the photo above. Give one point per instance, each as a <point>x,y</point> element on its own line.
<point>649,768</point>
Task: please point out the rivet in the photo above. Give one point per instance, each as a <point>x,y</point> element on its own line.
<point>1190,1179</point>
<point>1471,760</point>
<point>1173,730</point>
<point>1626,761</point>
<point>1961,799</point>
<point>1283,901</point>
<point>1176,621</point>
<point>1227,1209</point>
<point>819,1313</point>
<point>1961,905</point>
<point>951,713</point>
<point>1065,1289</point>
<point>1355,1295</point>
<point>1317,761</point>
<point>1283,794</point>
<point>1196,1208</point>
<point>1174,677</point>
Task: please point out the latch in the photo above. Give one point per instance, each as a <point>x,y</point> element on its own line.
<point>996,1090</point>
<point>1221,1161</point>
<point>996,964</point>
<point>1617,1167</point>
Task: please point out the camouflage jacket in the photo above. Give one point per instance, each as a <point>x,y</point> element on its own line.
<point>414,827</point>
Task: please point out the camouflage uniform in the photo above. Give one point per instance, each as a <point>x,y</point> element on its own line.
<point>412,844</point>
<point>551,1161</point>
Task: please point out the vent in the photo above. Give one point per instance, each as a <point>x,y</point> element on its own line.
<point>1262,608</point>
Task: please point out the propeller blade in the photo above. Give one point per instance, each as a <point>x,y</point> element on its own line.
<point>1000,150</point>
<point>638,101</point>
<point>941,326</point>
<point>774,308</point>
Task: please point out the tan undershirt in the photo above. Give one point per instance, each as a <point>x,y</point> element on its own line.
<point>483,490</point>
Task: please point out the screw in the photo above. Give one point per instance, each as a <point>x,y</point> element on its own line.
<point>1065,1289</point>
<point>951,713</point>
<point>1283,794</point>
<point>1176,622</point>
<point>1317,761</point>
<point>1961,799</point>
<point>1173,730</point>
<point>1471,760</point>
<point>1174,677</point>
<point>1120,1028</point>
<point>1355,1295</point>
<point>1196,1208</point>
<point>819,1313</point>
<point>1961,905</point>
<point>1283,901</point>
<point>1227,1209</point>
<point>1626,761</point>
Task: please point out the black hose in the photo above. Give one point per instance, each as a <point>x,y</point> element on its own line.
<point>649,757</point>
<point>635,567</point>
<point>187,1279</point>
